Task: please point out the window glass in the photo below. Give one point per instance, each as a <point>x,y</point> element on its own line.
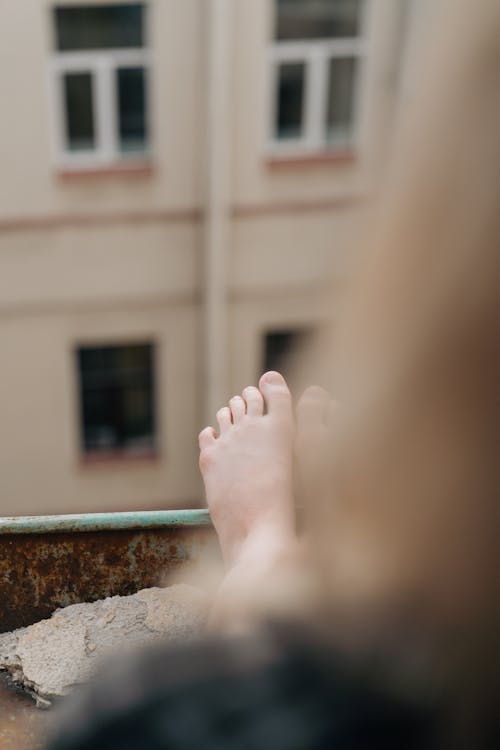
<point>83,27</point>
<point>131,109</point>
<point>117,397</point>
<point>279,347</point>
<point>80,131</point>
<point>342,73</point>
<point>317,19</point>
<point>290,105</point>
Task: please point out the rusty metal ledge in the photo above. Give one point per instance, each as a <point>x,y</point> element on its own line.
<point>151,519</point>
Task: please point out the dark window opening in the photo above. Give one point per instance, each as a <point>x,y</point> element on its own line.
<point>85,27</point>
<point>117,398</point>
<point>78,105</point>
<point>290,100</point>
<point>317,19</point>
<point>132,109</point>
<point>280,346</point>
<point>341,89</point>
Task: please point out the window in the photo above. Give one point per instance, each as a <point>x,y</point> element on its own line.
<point>315,61</point>
<point>280,345</point>
<point>99,75</point>
<point>117,399</point>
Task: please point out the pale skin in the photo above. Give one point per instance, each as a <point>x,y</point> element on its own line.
<point>247,471</point>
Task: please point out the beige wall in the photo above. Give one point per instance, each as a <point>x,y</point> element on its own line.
<point>87,264</point>
<point>290,249</point>
<point>30,183</point>
<point>255,180</point>
<point>40,465</point>
<point>106,259</point>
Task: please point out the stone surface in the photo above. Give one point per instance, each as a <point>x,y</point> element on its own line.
<point>50,657</point>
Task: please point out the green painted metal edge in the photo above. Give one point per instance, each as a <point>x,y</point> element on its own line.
<point>149,519</point>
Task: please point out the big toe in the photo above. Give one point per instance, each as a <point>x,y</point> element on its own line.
<point>312,407</point>
<point>276,394</point>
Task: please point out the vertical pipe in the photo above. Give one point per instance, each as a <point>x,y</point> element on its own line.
<point>216,229</point>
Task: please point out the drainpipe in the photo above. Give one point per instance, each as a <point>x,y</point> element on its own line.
<point>216,228</point>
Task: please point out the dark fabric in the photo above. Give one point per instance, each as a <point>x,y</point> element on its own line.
<point>281,693</point>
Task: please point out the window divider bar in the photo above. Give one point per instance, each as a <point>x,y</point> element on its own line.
<point>314,99</point>
<point>69,60</point>
<point>56,94</point>
<point>284,51</point>
<point>105,109</point>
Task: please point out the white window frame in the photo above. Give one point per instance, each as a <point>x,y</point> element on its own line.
<point>315,54</point>
<point>102,65</point>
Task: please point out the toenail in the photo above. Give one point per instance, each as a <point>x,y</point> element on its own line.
<point>273,378</point>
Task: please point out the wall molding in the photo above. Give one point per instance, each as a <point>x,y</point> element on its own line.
<point>61,221</point>
<point>181,215</point>
<point>250,211</point>
<point>100,305</point>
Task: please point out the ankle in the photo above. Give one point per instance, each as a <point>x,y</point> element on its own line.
<point>266,545</point>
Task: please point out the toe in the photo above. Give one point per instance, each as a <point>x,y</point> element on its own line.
<point>276,395</point>
<point>238,408</point>
<point>312,407</point>
<point>224,419</point>
<point>254,401</point>
<point>206,438</point>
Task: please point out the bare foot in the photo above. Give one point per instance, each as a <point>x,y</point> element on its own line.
<point>247,469</point>
<point>247,472</point>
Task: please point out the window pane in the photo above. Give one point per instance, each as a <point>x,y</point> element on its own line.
<point>317,19</point>
<point>117,397</point>
<point>99,26</point>
<point>290,103</point>
<point>280,347</point>
<point>132,109</point>
<point>80,132</point>
<point>342,81</point>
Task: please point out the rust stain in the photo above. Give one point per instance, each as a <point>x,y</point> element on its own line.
<point>42,572</point>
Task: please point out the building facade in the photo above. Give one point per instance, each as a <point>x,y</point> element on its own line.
<point>177,181</point>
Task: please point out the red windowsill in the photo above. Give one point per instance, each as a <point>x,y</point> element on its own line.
<point>129,169</point>
<point>117,457</point>
<point>322,159</point>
